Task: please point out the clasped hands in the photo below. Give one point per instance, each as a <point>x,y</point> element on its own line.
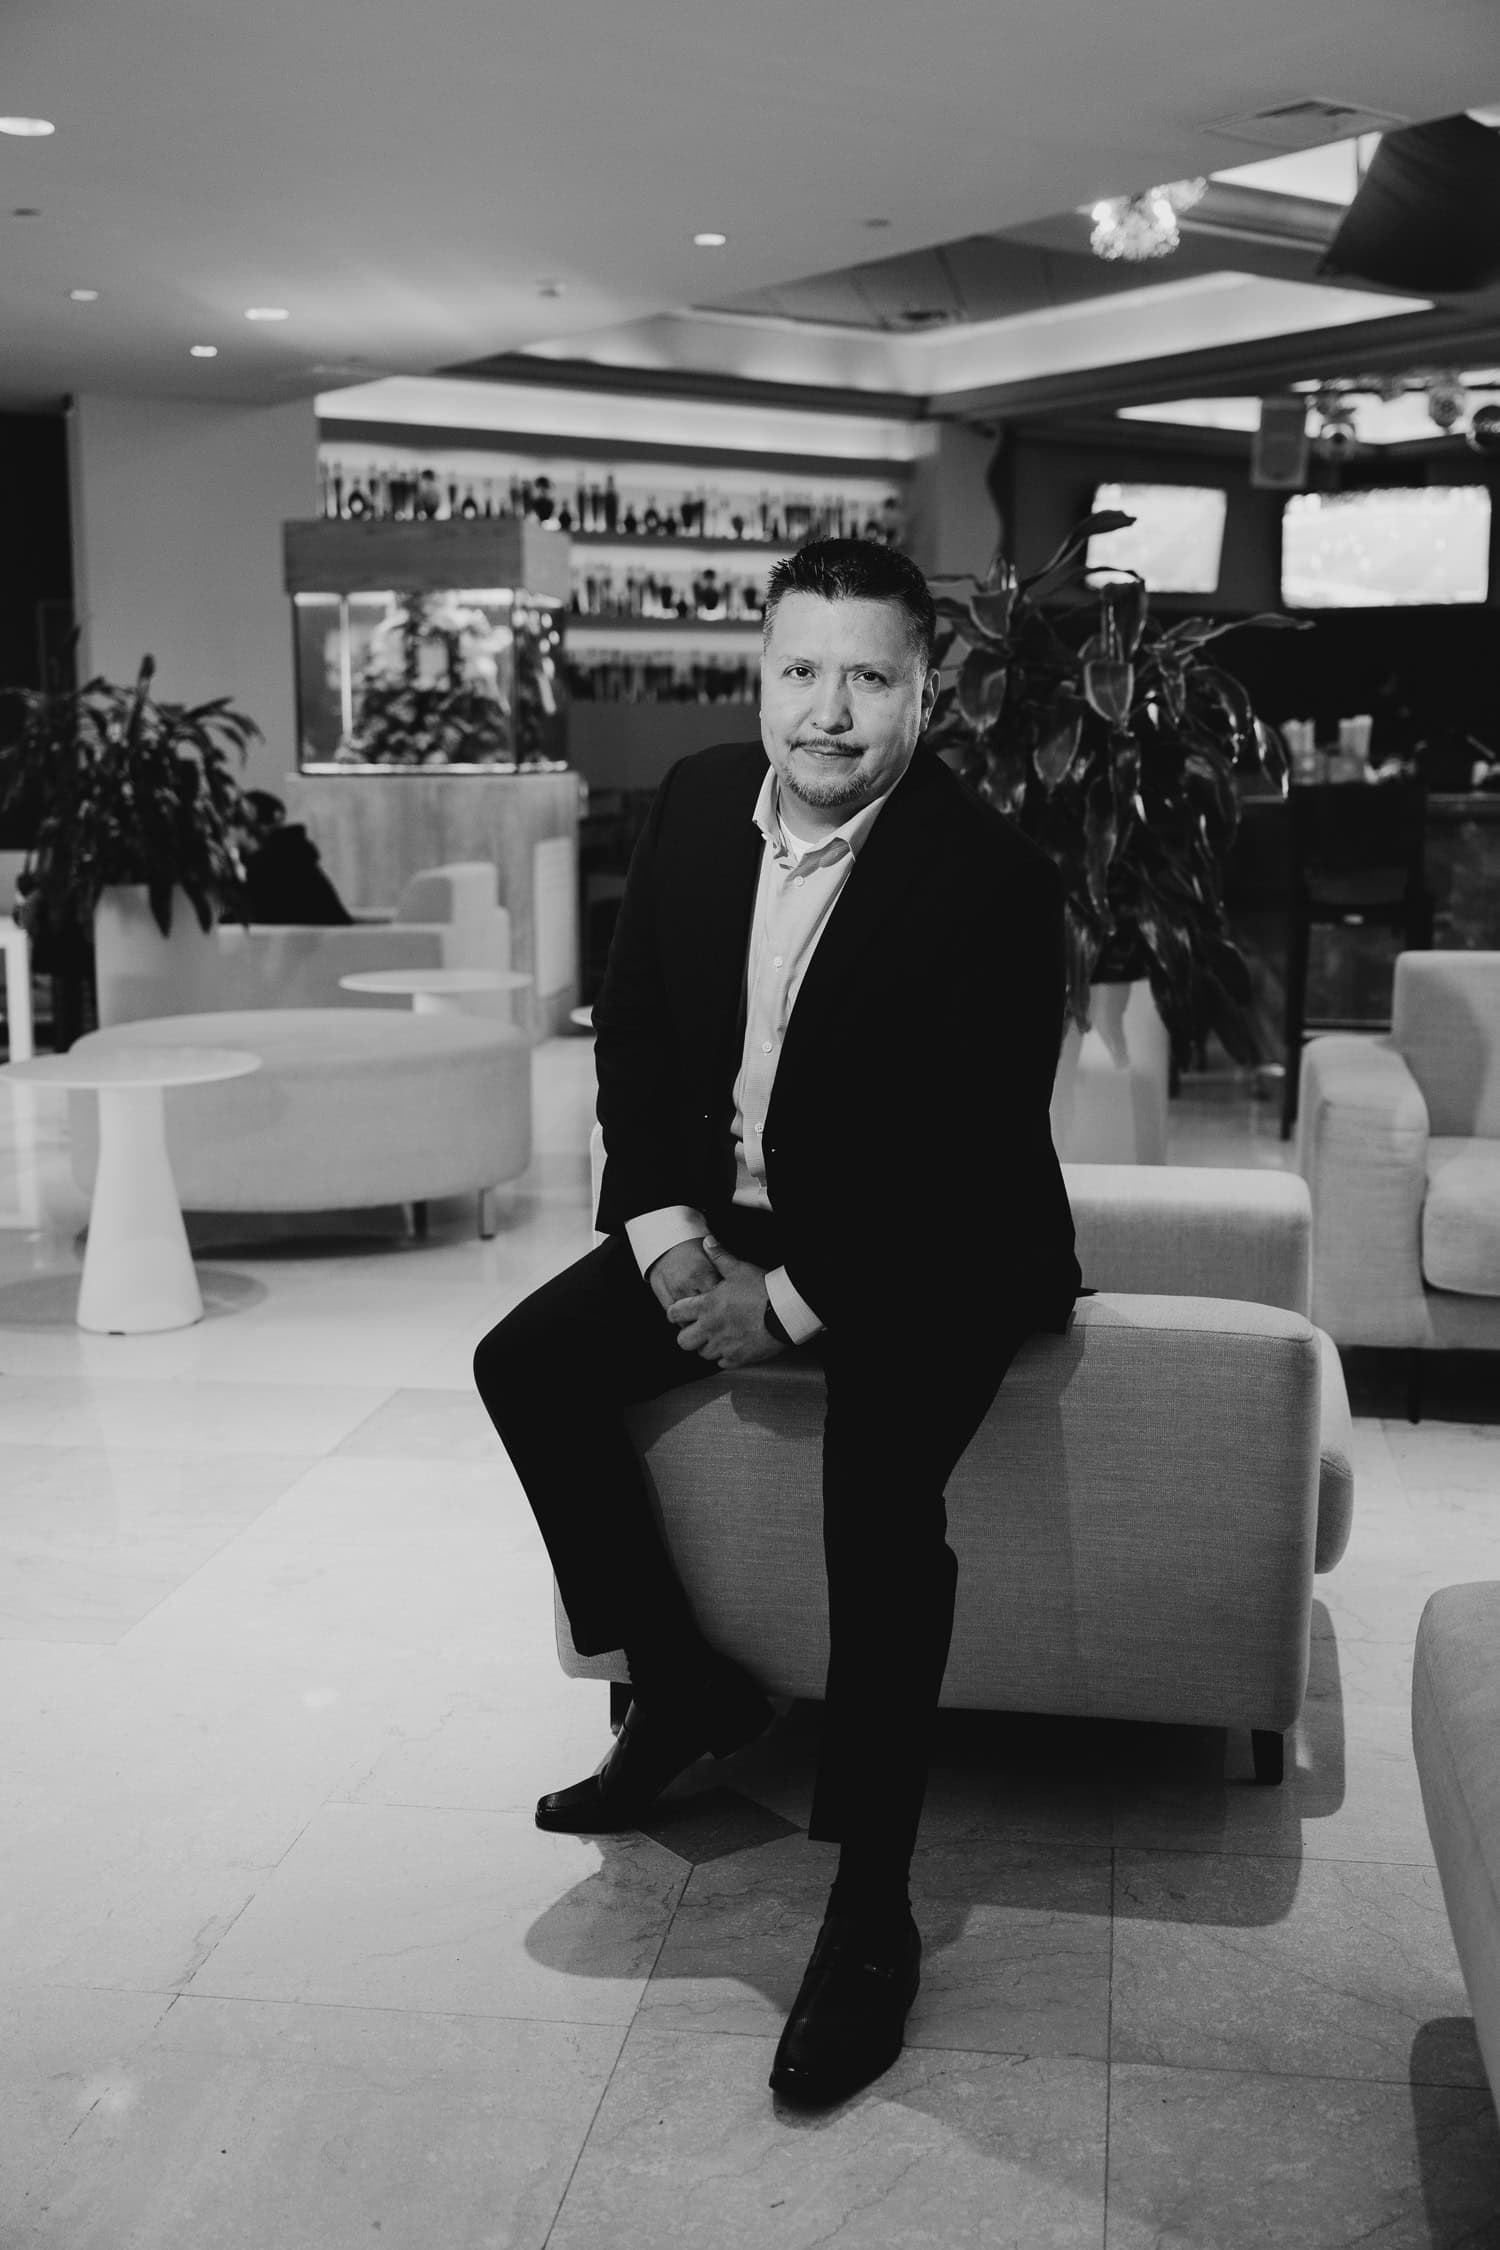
<point>715,1301</point>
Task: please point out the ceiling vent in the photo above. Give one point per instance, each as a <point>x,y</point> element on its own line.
<point>1304,124</point>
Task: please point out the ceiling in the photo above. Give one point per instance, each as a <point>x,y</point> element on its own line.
<point>417,187</point>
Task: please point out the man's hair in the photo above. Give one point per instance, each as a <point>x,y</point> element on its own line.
<point>857,570</point>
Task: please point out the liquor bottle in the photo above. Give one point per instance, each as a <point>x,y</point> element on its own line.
<point>632,523</point>
<point>429,494</point>
<point>469,508</point>
<point>651,520</point>
<point>357,505</point>
<point>453,498</point>
<point>596,508</point>
<point>336,488</point>
<point>542,503</point>
<point>565,517</point>
<point>581,503</point>
<point>611,505</point>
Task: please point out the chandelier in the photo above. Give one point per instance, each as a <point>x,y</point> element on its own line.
<point>1143,226</point>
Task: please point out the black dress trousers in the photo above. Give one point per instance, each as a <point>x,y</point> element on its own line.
<point>557,1376</point>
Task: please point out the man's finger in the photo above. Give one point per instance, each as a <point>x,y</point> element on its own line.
<point>724,1259</point>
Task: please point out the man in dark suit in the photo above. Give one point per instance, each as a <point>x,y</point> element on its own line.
<point>825,1050</point>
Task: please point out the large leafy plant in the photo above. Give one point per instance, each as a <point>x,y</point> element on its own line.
<point>115,787</point>
<point>1113,740</point>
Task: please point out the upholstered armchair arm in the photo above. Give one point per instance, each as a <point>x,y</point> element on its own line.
<point>1192,1231</point>
<point>1362,1149</point>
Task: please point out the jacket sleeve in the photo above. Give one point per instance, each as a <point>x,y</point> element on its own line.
<point>636,1058</point>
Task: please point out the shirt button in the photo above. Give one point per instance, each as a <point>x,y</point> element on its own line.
<point>760,1128</point>
<point>799,880</point>
<point>765,1046</point>
<point>776,964</point>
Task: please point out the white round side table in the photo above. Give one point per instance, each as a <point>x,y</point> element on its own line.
<point>435,992</point>
<point>137,1268</point>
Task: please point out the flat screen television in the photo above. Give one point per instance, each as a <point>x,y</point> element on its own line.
<point>1176,540</point>
<point>1401,547</point>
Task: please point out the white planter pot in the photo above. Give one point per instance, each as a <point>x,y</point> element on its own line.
<point>140,973</point>
<point>1109,1099</point>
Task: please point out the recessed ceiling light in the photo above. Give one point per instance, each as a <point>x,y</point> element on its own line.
<point>549,288</point>
<point>710,241</point>
<point>267,312</point>
<point>26,211</point>
<point>203,351</point>
<point>876,222</point>
<point>27,128</point>
<point>84,296</point>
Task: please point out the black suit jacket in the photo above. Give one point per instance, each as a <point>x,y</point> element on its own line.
<point>908,1151</point>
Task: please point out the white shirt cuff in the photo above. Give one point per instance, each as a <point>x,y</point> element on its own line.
<point>651,1233</point>
<point>795,1313</point>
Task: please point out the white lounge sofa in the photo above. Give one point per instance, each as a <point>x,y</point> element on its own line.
<point>446,918</point>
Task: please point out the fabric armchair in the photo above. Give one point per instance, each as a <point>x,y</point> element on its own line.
<point>1399,1143</point>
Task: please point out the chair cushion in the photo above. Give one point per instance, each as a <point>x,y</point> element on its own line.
<point>1461,1216</point>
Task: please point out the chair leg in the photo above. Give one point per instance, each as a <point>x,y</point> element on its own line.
<point>486,1214</point>
<point>1416,1369</point>
<point>620,1697</point>
<point>419,1221</point>
<point>1268,1749</point>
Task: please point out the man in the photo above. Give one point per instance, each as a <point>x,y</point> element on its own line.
<point>825,1049</point>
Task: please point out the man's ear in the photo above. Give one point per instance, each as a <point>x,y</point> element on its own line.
<point>930,688</point>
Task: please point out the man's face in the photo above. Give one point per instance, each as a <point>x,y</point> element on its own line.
<point>844,696</point>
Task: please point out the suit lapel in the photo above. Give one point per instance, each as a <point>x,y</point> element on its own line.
<point>720,877</point>
<point>894,862</point>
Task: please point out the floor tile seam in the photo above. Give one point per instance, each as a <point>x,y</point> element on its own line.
<point>621,2024</point>
<point>584,2138</point>
<point>392,2008</point>
<point>1307,2077</point>
<point>263,1875</point>
<point>1302,1858</point>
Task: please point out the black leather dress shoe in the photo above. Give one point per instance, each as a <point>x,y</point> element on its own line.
<point>649,1751</point>
<point>847,2021</point>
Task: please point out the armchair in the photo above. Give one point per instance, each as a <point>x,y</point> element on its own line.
<point>1399,1143</point>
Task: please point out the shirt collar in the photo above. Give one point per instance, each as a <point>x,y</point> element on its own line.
<point>853,832</point>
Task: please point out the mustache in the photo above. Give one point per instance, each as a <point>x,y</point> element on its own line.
<point>822,742</point>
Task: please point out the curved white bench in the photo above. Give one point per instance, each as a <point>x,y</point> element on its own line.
<point>351,1107</point>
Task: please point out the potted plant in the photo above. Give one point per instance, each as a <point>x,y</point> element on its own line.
<point>128,802</point>
<point>1113,740</point>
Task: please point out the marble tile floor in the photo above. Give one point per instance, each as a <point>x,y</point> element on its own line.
<point>288,1966</point>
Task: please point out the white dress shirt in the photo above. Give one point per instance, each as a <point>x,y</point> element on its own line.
<point>798,887</point>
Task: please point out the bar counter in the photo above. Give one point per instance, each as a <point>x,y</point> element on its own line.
<point>377,826</point>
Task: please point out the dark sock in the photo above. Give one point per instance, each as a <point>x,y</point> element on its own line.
<point>684,1675</point>
<point>871,1883</point>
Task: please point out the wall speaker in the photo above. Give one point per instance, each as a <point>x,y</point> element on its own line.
<point>1278,452</point>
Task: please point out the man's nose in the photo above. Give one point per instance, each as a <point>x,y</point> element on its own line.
<point>831,707</point>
